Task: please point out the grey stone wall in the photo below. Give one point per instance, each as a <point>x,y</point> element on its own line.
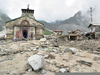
<point>13,26</point>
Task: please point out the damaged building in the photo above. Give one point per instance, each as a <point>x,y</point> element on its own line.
<point>73,35</point>
<point>94,31</point>
<point>25,26</point>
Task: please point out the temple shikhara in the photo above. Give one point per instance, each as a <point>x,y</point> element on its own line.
<point>25,27</point>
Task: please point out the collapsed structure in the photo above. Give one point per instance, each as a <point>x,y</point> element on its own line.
<point>73,35</point>
<point>25,27</point>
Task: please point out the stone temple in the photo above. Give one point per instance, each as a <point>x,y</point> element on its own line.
<point>25,26</point>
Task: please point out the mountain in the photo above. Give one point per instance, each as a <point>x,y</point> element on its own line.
<point>50,26</point>
<point>3,18</point>
<point>57,22</point>
<point>79,21</point>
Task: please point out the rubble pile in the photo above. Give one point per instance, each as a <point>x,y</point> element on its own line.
<point>84,44</point>
<point>37,57</point>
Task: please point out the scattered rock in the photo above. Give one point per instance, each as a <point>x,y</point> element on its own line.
<point>74,49</point>
<point>34,49</point>
<point>77,69</point>
<point>29,70</point>
<point>69,50</point>
<point>55,44</point>
<point>36,61</point>
<point>43,40</point>
<point>21,52</point>
<point>85,63</point>
<point>27,67</point>
<point>2,53</point>
<point>43,71</point>
<point>96,58</point>
<point>54,50</point>
<point>47,43</point>
<point>51,56</point>
<point>10,64</point>
<point>10,58</point>
<point>62,70</point>
<point>98,49</point>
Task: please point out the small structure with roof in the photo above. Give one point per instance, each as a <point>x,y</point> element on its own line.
<point>57,32</point>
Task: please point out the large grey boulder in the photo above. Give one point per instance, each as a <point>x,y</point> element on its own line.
<point>36,61</point>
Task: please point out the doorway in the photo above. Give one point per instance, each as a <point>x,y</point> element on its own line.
<point>25,33</point>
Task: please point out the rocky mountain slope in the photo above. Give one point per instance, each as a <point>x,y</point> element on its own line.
<point>79,18</point>
<point>3,18</point>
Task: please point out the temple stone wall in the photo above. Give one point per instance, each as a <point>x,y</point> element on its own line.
<point>39,31</point>
<point>35,27</point>
<point>32,30</point>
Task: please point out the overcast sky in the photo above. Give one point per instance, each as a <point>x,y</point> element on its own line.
<point>49,10</point>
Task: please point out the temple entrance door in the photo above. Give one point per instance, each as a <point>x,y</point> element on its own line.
<point>25,33</point>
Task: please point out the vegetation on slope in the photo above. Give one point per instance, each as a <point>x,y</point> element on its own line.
<point>46,32</point>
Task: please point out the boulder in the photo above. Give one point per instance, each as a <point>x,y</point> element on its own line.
<point>51,56</point>
<point>43,40</point>
<point>34,49</point>
<point>2,53</point>
<point>27,67</point>
<point>62,70</point>
<point>55,44</point>
<point>36,61</point>
<point>43,71</point>
<point>69,50</point>
<point>74,49</point>
<point>54,50</point>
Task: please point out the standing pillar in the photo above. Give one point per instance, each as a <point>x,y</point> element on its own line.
<point>14,33</point>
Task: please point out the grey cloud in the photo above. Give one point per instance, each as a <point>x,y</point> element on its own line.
<point>51,10</point>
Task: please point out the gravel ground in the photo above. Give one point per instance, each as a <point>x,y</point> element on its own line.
<point>14,56</point>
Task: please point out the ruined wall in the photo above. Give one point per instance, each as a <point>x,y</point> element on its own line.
<point>97,33</point>
<point>39,33</point>
<point>97,29</point>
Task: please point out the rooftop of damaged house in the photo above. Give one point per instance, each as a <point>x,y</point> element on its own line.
<point>27,51</point>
